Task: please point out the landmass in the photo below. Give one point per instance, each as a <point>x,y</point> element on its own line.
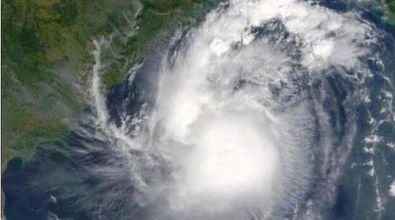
<point>389,9</point>
<point>47,59</point>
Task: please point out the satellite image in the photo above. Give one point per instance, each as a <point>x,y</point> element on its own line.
<point>198,109</point>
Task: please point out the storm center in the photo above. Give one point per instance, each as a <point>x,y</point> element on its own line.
<point>232,159</point>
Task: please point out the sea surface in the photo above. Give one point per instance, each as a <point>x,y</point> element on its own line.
<point>331,122</point>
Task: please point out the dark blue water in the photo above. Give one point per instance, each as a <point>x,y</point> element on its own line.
<point>68,178</point>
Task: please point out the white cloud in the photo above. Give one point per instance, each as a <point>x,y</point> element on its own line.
<point>233,122</point>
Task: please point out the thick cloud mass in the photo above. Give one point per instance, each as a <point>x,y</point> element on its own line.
<point>236,117</point>
<point>251,114</point>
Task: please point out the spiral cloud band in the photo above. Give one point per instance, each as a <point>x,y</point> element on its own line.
<point>235,118</point>
<point>253,113</point>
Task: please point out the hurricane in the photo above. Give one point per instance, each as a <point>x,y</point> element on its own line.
<point>260,111</point>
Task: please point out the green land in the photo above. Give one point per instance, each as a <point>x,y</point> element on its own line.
<point>389,7</point>
<point>47,60</point>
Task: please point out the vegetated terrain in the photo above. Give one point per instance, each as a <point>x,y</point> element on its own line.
<point>390,8</point>
<point>47,59</point>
